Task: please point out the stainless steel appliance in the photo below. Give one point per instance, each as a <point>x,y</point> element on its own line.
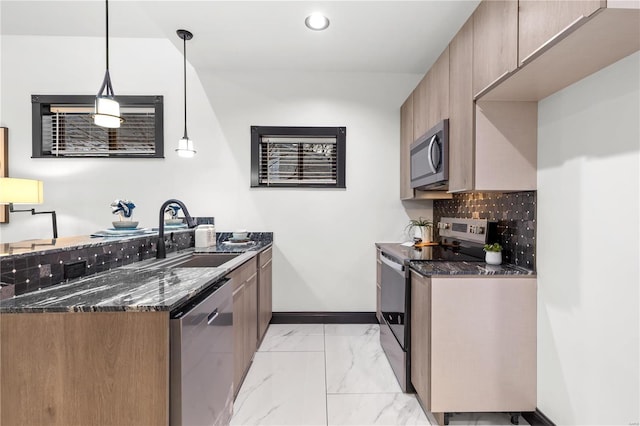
<point>461,240</point>
<point>430,158</point>
<point>201,371</point>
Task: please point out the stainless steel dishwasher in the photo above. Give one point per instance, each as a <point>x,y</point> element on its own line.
<point>201,377</point>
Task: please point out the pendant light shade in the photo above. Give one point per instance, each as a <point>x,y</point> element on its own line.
<point>185,145</point>
<point>107,109</point>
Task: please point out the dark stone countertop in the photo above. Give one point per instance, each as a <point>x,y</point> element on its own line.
<point>433,268</point>
<point>420,261</point>
<point>149,285</point>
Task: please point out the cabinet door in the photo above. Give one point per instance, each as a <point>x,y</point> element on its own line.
<point>264,293</point>
<point>378,287</point>
<point>438,90</point>
<point>495,42</point>
<point>420,107</point>
<point>251,315</point>
<point>406,138</point>
<point>461,136</point>
<point>421,337</point>
<point>238,337</point>
<point>541,21</point>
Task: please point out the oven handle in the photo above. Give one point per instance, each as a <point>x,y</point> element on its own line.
<point>390,263</point>
<point>430,154</point>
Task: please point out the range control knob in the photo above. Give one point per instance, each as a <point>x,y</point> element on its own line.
<point>443,225</point>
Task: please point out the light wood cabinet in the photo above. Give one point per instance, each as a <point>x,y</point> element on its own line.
<point>378,287</point>
<point>495,43</point>
<point>420,107</point>
<point>421,337</point>
<point>540,22</point>
<point>79,368</point>
<point>461,111</point>
<point>406,138</point>
<point>245,319</point>
<point>265,297</point>
<point>438,91</point>
<point>473,343</point>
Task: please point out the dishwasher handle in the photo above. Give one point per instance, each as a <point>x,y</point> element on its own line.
<point>212,316</point>
<point>390,263</point>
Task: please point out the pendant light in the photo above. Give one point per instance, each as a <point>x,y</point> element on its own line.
<point>107,109</point>
<point>185,145</point>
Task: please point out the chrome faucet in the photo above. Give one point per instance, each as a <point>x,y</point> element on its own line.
<point>161,251</point>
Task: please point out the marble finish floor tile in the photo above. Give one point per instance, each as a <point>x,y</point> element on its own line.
<point>374,409</point>
<point>283,388</point>
<point>293,337</point>
<point>351,359</point>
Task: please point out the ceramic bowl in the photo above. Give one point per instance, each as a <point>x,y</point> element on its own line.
<point>125,224</point>
<point>240,235</point>
<point>173,221</point>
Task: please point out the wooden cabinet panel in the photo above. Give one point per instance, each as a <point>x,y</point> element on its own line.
<point>238,337</point>
<point>495,42</point>
<point>421,337</point>
<point>378,287</point>
<point>79,368</point>
<point>251,312</point>
<point>438,90</point>
<point>483,344</point>
<point>420,108</point>
<point>540,21</point>
<point>265,301</point>
<point>461,110</point>
<point>406,138</point>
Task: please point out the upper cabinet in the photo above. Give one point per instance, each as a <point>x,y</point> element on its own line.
<point>540,22</point>
<point>406,138</point>
<point>461,137</point>
<point>431,97</point>
<point>495,43</point>
<point>563,41</point>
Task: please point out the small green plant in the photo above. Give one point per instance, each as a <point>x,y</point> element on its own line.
<point>419,222</point>
<point>493,247</point>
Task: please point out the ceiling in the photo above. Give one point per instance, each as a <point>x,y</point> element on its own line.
<point>364,36</point>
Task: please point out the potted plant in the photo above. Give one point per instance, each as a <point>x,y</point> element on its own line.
<point>124,210</point>
<point>493,253</point>
<point>420,228</point>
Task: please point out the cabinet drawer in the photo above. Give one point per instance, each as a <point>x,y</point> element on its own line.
<point>265,256</point>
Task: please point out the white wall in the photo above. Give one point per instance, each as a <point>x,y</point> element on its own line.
<point>324,254</point>
<point>588,250</point>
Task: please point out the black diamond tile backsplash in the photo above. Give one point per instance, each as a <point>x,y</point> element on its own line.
<point>515,213</point>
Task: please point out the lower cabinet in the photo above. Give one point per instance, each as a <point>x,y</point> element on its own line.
<point>473,343</point>
<point>378,287</point>
<point>251,311</point>
<point>265,299</point>
<point>245,319</point>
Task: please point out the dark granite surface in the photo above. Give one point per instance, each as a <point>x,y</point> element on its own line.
<point>420,261</point>
<point>428,268</point>
<point>148,285</point>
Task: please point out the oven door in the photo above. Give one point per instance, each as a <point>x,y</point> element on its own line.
<point>394,298</point>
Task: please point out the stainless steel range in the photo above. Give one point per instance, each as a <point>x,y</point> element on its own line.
<point>461,240</point>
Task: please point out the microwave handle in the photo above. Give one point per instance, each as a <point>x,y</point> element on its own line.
<point>430,154</point>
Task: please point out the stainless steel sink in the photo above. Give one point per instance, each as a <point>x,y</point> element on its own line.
<point>210,260</point>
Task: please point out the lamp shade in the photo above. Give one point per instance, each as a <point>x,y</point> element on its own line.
<point>107,113</point>
<point>21,191</point>
<point>185,148</point>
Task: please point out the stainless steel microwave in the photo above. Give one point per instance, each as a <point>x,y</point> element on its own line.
<point>430,158</point>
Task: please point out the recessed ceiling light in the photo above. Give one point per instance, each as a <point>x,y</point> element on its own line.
<point>316,22</point>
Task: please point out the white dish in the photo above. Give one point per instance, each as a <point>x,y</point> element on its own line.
<point>114,231</point>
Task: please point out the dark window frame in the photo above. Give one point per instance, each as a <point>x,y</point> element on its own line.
<point>40,104</point>
<point>340,133</point>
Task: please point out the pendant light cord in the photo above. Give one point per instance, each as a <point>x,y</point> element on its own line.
<point>184,39</point>
<point>107,25</point>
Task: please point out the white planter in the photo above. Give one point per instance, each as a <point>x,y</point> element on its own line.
<point>422,232</point>
<point>493,257</point>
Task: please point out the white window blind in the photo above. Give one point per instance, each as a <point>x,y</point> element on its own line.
<point>70,131</point>
<point>298,160</point>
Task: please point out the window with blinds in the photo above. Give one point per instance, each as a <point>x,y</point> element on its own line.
<point>63,127</point>
<point>298,157</point>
